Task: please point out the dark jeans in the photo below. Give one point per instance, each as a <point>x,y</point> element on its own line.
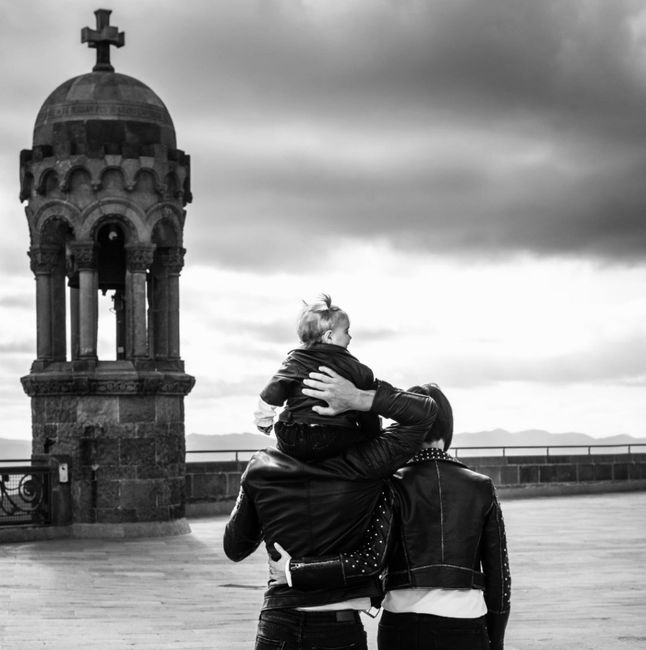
<point>428,632</point>
<point>289,629</point>
<point>309,442</point>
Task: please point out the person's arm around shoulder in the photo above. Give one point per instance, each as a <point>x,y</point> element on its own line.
<point>414,415</point>
<point>344,569</point>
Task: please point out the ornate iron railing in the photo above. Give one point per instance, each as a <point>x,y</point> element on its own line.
<point>25,494</point>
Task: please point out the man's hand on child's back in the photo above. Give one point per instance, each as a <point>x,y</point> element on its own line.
<point>340,394</point>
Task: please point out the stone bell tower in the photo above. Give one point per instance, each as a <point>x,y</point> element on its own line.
<point>106,188</point>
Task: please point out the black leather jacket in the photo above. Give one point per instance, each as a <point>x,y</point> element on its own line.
<point>323,508</point>
<point>439,524</point>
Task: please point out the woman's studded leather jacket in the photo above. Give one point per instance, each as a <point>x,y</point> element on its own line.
<point>439,524</point>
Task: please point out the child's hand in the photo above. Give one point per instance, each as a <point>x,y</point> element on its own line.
<point>263,417</point>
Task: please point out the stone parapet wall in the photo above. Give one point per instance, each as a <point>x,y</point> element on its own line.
<point>211,487</point>
<point>524,470</point>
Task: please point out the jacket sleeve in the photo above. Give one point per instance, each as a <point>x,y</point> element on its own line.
<point>413,414</point>
<point>243,533</point>
<point>281,384</point>
<point>345,569</point>
<point>495,565</point>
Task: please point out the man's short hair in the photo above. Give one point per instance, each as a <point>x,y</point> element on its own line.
<point>442,428</point>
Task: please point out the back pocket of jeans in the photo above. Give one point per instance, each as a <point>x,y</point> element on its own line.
<point>263,643</point>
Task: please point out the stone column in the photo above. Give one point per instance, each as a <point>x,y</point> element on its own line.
<point>139,258</point>
<point>43,261</point>
<point>74,323</point>
<point>73,284</point>
<point>85,256</point>
<point>175,265</point>
<point>158,306</point>
<point>58,310</point>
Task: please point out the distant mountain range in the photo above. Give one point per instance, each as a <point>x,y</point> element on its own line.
<point>14,449</point>
<point>494,438</point>
<point>21,449</point>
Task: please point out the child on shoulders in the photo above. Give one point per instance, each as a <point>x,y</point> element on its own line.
<point>324,332</point>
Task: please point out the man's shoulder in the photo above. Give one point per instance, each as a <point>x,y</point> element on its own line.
<point>267,457</point>
<point>264,460</point>
<point>272,464</point>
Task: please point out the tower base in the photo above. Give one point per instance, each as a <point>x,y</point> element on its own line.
<point>121,431</point>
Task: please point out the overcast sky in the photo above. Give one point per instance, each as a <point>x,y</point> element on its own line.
<point>467,179</point>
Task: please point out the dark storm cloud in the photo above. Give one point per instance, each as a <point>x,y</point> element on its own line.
<point>505,126</point>
<point>563,78</point>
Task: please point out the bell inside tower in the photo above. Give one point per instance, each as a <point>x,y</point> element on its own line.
<point>111,267</point>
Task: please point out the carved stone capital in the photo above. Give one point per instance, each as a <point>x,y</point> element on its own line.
<point>175,259</point>
<point>44,259</point>
<point>84,255</point>
<point>139,257</point>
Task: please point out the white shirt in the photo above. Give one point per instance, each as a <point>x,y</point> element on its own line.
<point>451,603</point>
<point>362,604</point>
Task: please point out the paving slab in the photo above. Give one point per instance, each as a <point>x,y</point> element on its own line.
<point>578,567</point>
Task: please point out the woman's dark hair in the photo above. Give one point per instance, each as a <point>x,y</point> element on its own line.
<point>442,428</point>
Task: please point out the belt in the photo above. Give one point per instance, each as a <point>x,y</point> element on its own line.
<point>336,616</point>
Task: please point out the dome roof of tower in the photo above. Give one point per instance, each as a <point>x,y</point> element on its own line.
<point>104,110</point>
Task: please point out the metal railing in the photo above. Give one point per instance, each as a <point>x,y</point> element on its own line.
<point>225,454</point>
<point>25,494</point>
<point>503,450</point>
<point>620,447</point>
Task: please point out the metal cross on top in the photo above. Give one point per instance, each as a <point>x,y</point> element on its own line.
<point>101,38</point>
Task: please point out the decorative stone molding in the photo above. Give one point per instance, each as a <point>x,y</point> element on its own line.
<point>139,257</point>
<point>173,164</point>
<point>84,255</point>
<point>44,259</point>
<point>37,385</point>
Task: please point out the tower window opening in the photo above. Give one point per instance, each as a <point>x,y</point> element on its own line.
<point>111,341</point>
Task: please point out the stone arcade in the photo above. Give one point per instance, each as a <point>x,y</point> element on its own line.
<point>106,188</point>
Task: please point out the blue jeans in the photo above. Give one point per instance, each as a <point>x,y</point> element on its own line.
<point>289,629</point>
<point>428,632</point>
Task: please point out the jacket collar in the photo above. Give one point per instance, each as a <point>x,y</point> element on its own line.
<point>432,453</point>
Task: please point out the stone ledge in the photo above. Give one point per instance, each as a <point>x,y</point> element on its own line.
<point>21,534</point>
<point>209,508</point>
<point>66,382</point>
<point>535,490</point>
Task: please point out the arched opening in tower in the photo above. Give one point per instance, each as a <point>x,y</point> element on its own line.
<point>111,266</point>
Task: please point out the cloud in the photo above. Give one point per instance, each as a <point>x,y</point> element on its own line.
<point>19,302</point>
<point>473,129</point>
<point>465,128</point>
<point>18,348</point>
<point>478,365</point>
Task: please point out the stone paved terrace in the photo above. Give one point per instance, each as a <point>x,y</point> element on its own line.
<point>578,566</point>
